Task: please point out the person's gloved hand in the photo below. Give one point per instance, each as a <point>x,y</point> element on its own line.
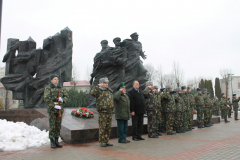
<point>57,107</point>
<point>60,99</point>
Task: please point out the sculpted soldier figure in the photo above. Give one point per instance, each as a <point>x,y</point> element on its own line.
<point>206,110</point>
<point>104,101</point>
<point>199,106</point>
<point>179,110</point>
<point>224,107</point>
<point>235,101</point>
<point>192,107</point>
<point>151,108</point>
<point>55,97</point>
<point>170,109</point>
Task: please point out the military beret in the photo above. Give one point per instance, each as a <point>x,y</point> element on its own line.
<point>228,98</point>
<point>222,94</point>
<point>103,80</point>
<point>149,83</point>
<point>134,34</point>
<point>52,76</point>
<point>155,87</point>
<point>199,89</point>
<point>168,86</point>
<point>117,38</point>
<point>122,84</point>
<point>204,89</point>
<point>234,94</point>
<point>177,89</point>
<point>173,92</point>
<point>104,42</point>
<point>208,93</point>
<point>188,88</point>
<point>162,89</point>
<point>183,87</point>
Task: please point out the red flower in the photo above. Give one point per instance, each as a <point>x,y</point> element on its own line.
<point>74,111</point>
<point>78,113</point>
<point>91,112</point>
<point>84,114</point>
<point>81,108</point>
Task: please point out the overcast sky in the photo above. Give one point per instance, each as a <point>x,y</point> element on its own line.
<point>203,36</point>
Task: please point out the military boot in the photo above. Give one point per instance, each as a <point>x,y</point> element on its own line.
<point>206,125</point>
<point>57,144</point>
<point>199,126</point>
<point>189,128</point>
<point>158,133</point>
<point>226,121</point>
<point>178,130</point>
<point>170,133</point>
<point>150,135</point>
<point>53,145</point>
<point>174,128</point>
<point>163,130</point>
<point>210,124</point>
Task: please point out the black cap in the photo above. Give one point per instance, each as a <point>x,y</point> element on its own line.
<point>52,76</point>
<point>199,89</point>
<point>234,94</point>
<point>208,93</point>
<point>162,89</point>
<point>188,88</point>
<point>222,94</point>
<point>183,87</point>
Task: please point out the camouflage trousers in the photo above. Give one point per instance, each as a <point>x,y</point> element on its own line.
<point>210,115</point>
<point>216,112</point>
<point>158,119</point>
<point>224,113</point>
<point>163,119</point>
<point>190,118</point>
<point>206,113</point>
<point>151,121</point>
<point>185,122</point>
<point>105,122</point>
<point>229,112</point>
<point>54,125</point>
<point>235,112</point>
<point>169,121</point>
<point>178,119</point>
<point>199,114</point>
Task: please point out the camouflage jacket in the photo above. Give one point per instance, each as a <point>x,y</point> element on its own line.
<point>216,105</point>
<point>235,102</point>
<point>212,105</point>
<point>207,101</point>
<point>191,100</point>
<point>199,99</point>
<point>159,102</point>
<point>150,99</point>
<point>104,99</point>
<point>51,96</point>
<point>169,101</point>
<point>230,104</point>
<point>186,103</point>
<point>223,103</point>
<point>179,103</point>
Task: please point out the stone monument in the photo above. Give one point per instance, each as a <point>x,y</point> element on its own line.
<point>28,69</point>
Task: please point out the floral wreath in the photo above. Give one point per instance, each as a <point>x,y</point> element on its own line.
<point>82,113</point>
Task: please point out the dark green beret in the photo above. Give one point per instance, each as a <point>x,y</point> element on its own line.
<point>52,76</point>
<point>121,85</point>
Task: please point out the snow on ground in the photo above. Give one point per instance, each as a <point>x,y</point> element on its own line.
<point>20,136</point>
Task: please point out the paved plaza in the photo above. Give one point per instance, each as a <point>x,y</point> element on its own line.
<point>222,141</point>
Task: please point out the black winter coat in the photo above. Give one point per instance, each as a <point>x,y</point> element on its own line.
<point>137,102</point>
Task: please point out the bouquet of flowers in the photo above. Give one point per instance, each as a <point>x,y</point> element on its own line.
<point>194,112</point>
<point>82,112</point>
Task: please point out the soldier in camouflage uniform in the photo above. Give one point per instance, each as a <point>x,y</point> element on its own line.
<point>211,108</point>
<point>207,108</point>
<point>199,106</point>
<point>216,106</point>
<point>186,108</point>
<point>51,98</point>
<point>235,101</point>
<point>170,109</point>
<point>159,108</point>
<point>179,110</point>
<point>230,108</point>
<point>224,107</point>
<point>163,113</point>
<point>151,108</point>
<point>192,107</point>
<point>104,102</point>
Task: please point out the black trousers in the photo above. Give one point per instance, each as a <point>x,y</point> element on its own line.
<point>137,125</point>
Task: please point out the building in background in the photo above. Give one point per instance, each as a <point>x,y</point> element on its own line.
<point>233,86</point>
<point>81,85</point>
<point>2,72</point>
<point>6,98</point>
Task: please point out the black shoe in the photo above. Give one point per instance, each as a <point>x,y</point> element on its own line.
<point>163,130</point>
<point>178,130</point>
<point>226,121</point>
<point>124,141</point>
<point>193,128</point>
<point>206,125</point>
<point>183,131</point>
<point>199,126</point>
<point>236,119</point>
<point>140,138</point>
<point>190,127</point>
<point>57,144</point>
<point>174,128</point>
<point>229,117</point>
<point>158,133</point>
<point>53,145</point>
<point>128,141</point>
<point>210,124</point>
<point>109,144</point>
<point>135,139</point>
<point>170,133</point>
<point>103,145</point>
<point>152,136</point>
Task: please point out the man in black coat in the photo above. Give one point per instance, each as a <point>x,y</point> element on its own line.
<point>137,109</point>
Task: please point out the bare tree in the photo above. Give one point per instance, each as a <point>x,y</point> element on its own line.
<point>152,73</point>
<point>169,79</point>
<point>88,73</point>
<point>159,76</point>
<point>75,73</point>
<point>178,74</point>
<point>193,83</point>
<point>225,73</point>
